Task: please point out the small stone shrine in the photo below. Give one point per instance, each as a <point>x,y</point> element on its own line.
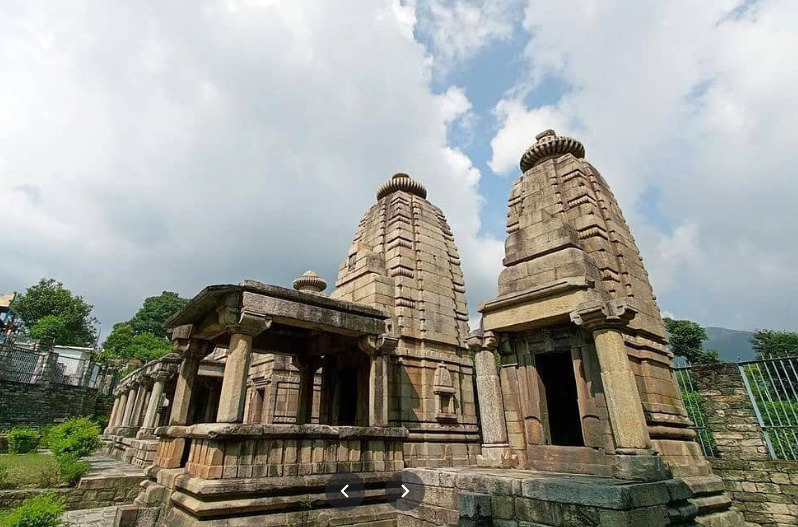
<point>560,411</point>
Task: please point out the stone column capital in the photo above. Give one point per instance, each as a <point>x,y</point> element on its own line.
<point>482,341</point>
<point>305,362</point>
<point>489,341</point>
<point>614,314</point>
<point>162,376</point>
<point>474,341</point>
<point>377,344</point>
<point>251,324</point>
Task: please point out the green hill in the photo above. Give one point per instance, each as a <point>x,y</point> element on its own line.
<point>732,344</point>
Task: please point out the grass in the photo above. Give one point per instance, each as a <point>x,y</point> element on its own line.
<point>26,470</point>
<point>4,517</point>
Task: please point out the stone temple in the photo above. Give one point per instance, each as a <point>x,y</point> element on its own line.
<point>560,411</point>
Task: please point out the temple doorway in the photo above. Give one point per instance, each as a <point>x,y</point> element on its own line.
<point>556,373</point>
<point>347,412</point>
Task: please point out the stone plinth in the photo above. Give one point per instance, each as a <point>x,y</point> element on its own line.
<point>222,451</point>
<point>515,498</point>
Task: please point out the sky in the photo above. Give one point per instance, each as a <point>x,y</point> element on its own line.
<point>172,144</point>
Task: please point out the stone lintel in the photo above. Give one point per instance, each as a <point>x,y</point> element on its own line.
<point>533,293</point>
<point>537,307</point>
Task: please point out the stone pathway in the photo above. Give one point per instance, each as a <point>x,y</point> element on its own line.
<point>104,466</point>
<point>102,517</point>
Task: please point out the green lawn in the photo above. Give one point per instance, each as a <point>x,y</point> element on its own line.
<point>26,470</point>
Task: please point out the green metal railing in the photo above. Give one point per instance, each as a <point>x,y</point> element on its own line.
<point>694,405</point>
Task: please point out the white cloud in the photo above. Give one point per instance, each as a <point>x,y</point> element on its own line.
<point>459,29</point>
<point>693,100</point>
<point>147,149</point>
<point>519,126</point>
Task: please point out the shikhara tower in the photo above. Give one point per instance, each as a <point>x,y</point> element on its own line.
<point>404,260</point>
<point>586,372</point>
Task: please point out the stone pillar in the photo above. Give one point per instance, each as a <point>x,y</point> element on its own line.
<point>148,426</point>
<point>236,368</point>
<point>120,414</point>
<point>378,391</point>
<point>186,377</point>
<point>132,395</point>
<point>112,419</point>
<point>620,390</point>
<point>141,403</point>
<point>377,348</point>
<point>491,404</point>
<point>634,457</point>
<point>307,374</point>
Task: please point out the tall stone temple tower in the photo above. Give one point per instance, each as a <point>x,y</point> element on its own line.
<point>585,370</point>
<point>404,260</point>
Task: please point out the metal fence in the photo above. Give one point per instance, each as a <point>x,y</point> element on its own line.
<point>694,405</point>
<point>32,364</point>
<point>771,386</point>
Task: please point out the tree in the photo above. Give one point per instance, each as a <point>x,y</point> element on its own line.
<point>51,328</point>
<point>687,340</point>
<point>769,343</point>
<point>151,318</point>
<point>42,304</point>
<point>117,342</point>
<point>147,347</point>
<point>143,337</point>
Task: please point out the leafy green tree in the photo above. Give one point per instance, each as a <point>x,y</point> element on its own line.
<point>51,328</point>
<point>119,339</point>
<point>769,343</point>
<point>687,340</point>
<point>151,318</point>
<point>147,347</point>
<point>53,311</point>
<point>143,337</point>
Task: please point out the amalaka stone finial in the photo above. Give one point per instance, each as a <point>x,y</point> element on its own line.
<point>310,282</point>
<point>404,183</point>
<point>549,145</point>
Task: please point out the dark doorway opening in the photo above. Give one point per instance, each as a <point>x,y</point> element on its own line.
<point>347,409</point>
<point>557,374</point>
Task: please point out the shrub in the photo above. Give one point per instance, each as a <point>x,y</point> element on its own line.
<point>78,436</point>
<point>44,433</point>
<point>71,468</point>
<point>22,440</point>
<point>39,511</point>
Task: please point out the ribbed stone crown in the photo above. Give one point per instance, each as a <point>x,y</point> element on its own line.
<point>310,282</point>
<point>549,145</point>
<point>401,182</point>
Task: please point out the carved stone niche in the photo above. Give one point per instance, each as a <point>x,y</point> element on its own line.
<point>444,391</point>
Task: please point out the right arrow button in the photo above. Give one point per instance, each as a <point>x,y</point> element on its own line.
<point>405,490</point>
